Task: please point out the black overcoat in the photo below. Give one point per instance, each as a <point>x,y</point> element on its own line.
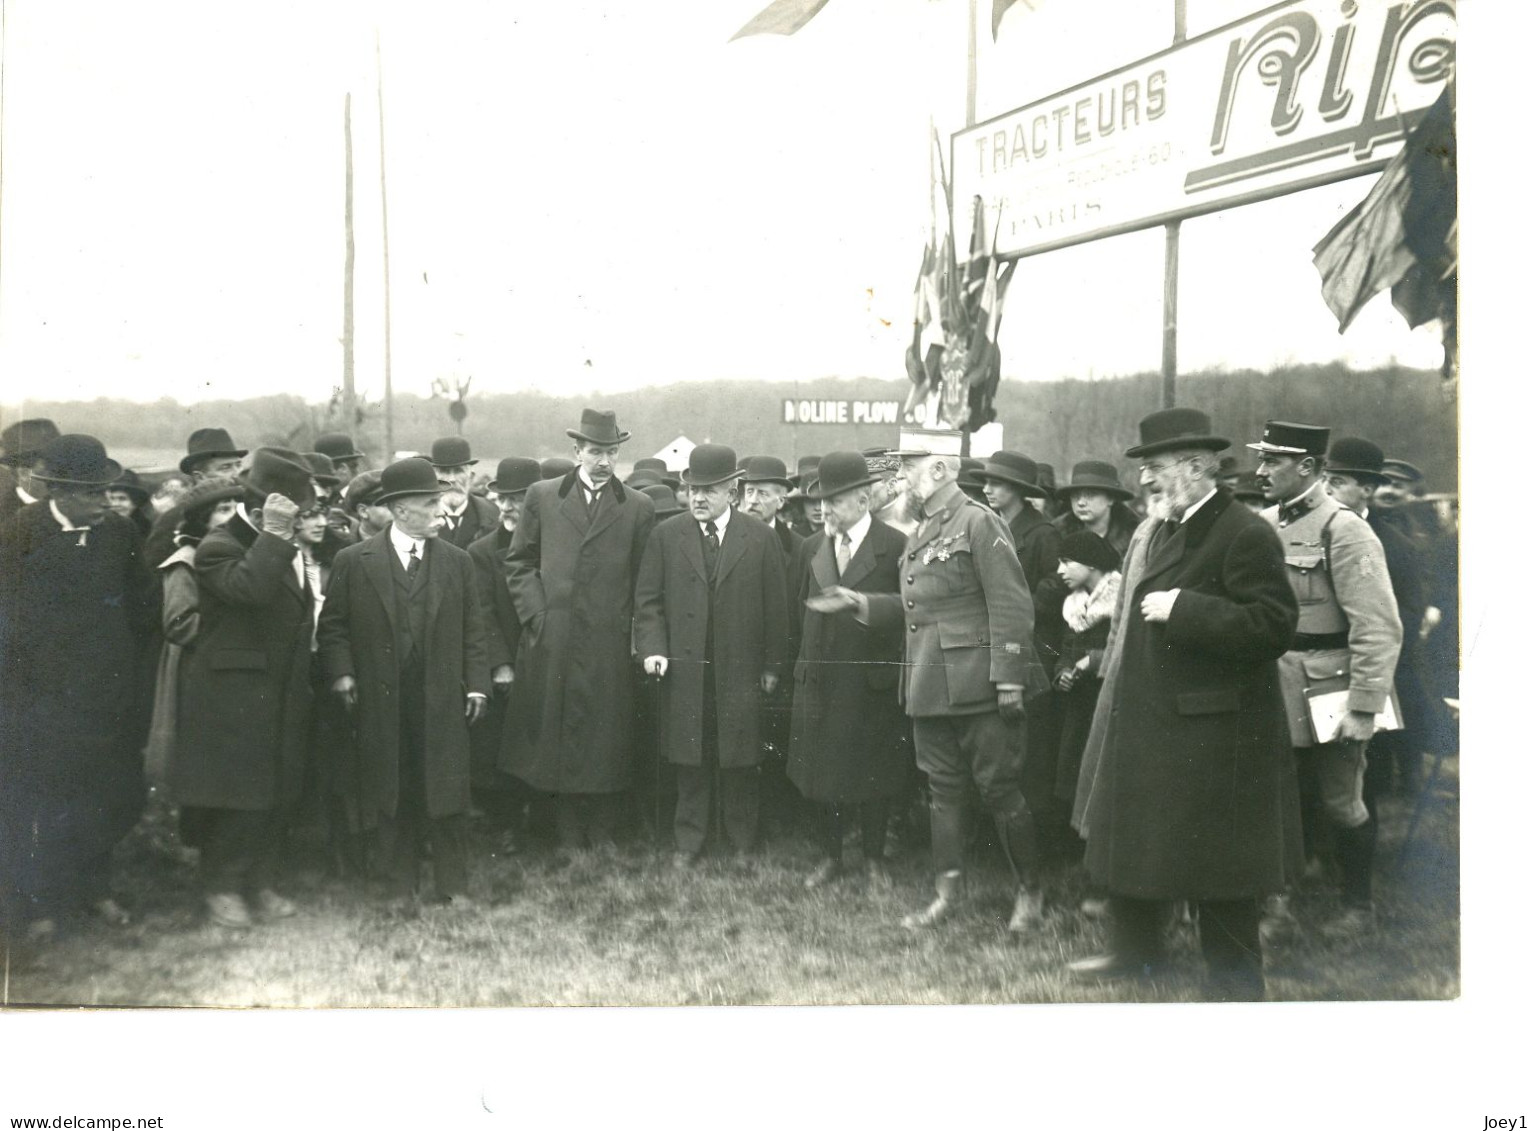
<point>502,635</point>
<point>849,736</point>
<point>573,584</point>
<point>73,619</point>
<point>1190,797</point>
<point>746,611</point>
<point>481,518</point>
<point>358,637</point>
<point>244,696</point>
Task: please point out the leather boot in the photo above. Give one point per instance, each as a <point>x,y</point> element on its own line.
<point>949,887</point>
<point>1017,834</point>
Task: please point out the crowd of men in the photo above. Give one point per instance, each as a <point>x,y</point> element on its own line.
<point>1198,691</point>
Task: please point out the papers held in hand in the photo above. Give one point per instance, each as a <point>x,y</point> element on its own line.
<point>1327,706</point>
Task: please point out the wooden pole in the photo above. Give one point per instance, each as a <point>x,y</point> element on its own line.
<point>384,214</point>
<point>950,205</point>
<point>349,390</point>
<point>1172,268</point>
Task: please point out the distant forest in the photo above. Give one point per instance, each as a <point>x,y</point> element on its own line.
<point>1057,422</point>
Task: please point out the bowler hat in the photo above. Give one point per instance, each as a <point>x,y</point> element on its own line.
<point>411,476</point>
<point>514,474</point>
<point>555,467</point>
<point>764,469</point>
<point>651,463</point>
<point>1015,468</point>
<point>364,488</point>
<point>209,443</point>
<point>76,459</point>
<point>1088,548</point>
<point>282,472</point>
<point>1284,438</point>
<point>840,472</point>
<point>1359,458</point>
<point>710,464</point>
<point>337,445</point>
<point>1173,429</point>
<point>664,500</point>
<point>1093,475</point>
<point>1403,471</point>
<point>926,442</point>
<point>24,439</point>
<point>451,451</point>
<point>130,484</point>
<point>598,428</point>
<point>322,469</point>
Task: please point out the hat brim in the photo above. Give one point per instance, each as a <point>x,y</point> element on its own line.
<point>1281,450</point>
<point>115,470</point>
<point>393,495</point>
<point>818,494</point>
<point>783,481</point>
<point>982,475</point>
<point>1365,473</point>
<point>1177,443</point>
<point>576,435</point>
<point>689,480</point>
<point>1105,488</point>
<point>492,488</point>
<point>461,463</point>
<point>189,461</point>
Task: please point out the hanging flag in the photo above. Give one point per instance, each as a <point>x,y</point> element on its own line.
<point>782,17</point>
<point>1405,234</point>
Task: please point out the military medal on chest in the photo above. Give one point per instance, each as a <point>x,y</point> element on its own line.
<point>941,550</point>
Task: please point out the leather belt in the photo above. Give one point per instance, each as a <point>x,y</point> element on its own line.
<point>1319,641</point>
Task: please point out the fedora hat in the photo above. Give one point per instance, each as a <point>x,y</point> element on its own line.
<point>77,460</point>
<point>451,451</point>
<point>337,445</point>
<point>1015,468</point>
<point>364,488</point>
<point>926,442</point>
<point>209,443</point>
<point>555,467</point>
<point>598,428</point>
<point>411,476</point>
<point>664,501</point>
<point>1354,456</point>
<point>764,469</point>
<point>1284,438</point>
<point>710,464</point>
<point>1093,474</point>
<point>24,439</point>
<point>1172,429</point>
<point>322,469</point>
<point>840,472</point>
<point>282,472</point>
<point>514,474</point>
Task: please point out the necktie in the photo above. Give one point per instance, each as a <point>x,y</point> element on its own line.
<point>712,550</point>
<point>592,505</point>
<point>413,563</point>
<point>843,552</point>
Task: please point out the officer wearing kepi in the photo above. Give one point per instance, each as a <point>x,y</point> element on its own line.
<point>970,665</point>
<point>1347,639</point>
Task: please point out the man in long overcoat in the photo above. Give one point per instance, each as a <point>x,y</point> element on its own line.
<point>572,569</point>
<point>403,642</point>
<point>244,701</point>
<point>466,516</point>
<point>849,747</point>
<point>711,620</point>
<point>76,604</point>
<point>1190,800</point>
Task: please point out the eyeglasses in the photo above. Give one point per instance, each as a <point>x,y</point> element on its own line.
<point>1160,468</point>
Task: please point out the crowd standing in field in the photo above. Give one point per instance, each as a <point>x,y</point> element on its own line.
<point>1186,699</point>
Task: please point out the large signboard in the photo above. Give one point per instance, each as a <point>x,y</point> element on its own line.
<point>1301,94</point>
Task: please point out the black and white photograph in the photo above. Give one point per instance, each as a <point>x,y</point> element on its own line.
<point>861,508</point>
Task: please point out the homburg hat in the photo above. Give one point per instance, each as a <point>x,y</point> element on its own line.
<point>1088,548</point>
<point>209,443</point>
<point>840,472</point>
<point>281,472</point>
<point>1017,469</point>
<point>1093,475</point>
<point>710,464</point>
<point>24,439</point>
<point>598,428</point>
<point>411,476</point>
<point>451,451</point>
<point>1359,458</point>
<point>1284,438</point>
<point>1174,429</point>
<point>515,474</point>
<point>77,460</point>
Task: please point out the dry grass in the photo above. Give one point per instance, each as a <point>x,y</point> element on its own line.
<point>622,928</point>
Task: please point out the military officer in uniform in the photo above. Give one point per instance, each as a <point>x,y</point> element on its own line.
<point>970,664</point>
<point>1347,639</point>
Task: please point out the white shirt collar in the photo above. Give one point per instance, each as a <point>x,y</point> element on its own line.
<point>58,517</point>
<point>1196,506</point>
<point>720,523</point>
<point>856,533</point>
<point>404,542</point>
<point>587,484</point>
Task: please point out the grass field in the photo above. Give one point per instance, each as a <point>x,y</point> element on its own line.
<point>622,928</point>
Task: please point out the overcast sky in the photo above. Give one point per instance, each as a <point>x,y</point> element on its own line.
<point>581,196</point>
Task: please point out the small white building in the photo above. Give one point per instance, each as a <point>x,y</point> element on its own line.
<point>676,454</point>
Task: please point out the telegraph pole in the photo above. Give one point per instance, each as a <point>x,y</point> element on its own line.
<point>349,390</point>
<point>1171,264</point>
